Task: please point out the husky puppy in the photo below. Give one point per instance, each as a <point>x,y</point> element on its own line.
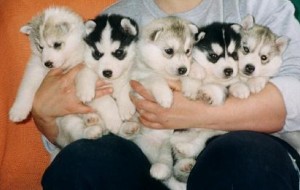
<point>56,41</point>
<point>217,53</point>
<point>56,37</point>
<point>260,57</point>
<point>164,53</point>
<point>109,56</point>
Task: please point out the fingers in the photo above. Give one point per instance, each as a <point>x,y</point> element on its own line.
<point>138,87</point>
<point>80,108</point>
<point>149,124</point>
<point>103,91</point>
<point>73,72</point>
<point>175,85</point>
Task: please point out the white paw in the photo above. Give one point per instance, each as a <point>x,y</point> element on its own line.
<point>93,132</point>
<point>85,94</point>
<point>191,94</point>
<point>164,97</point>
<point>186,150</point>
<point>256,84</point>
<point>129,129</point>
<point>239,90</point>
<point>114,127</point>
<point>160,171</point>
<point>183,168</point>
<point>18,114</point>
<point>91,119</point>
<point>212,95</point>
<point>126,111</point>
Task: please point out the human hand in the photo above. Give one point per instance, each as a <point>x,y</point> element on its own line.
<point>56,97</point>
<point>182,113</point>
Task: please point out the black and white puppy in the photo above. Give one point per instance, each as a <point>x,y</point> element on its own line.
<point>109,56</point>
<point>217,53</point>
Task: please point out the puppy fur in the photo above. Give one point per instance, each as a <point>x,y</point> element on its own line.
<point>109,56</point>
<point>260,58</point>
<point>53,34</point>
<point>164,53</point>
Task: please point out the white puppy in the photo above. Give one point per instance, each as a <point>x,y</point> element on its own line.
<point>56,37</point>
<point>164,53</point>
<point>56,41</point>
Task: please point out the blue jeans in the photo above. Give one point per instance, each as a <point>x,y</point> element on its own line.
<point>234,161</point>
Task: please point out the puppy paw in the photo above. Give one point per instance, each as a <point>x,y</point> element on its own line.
<point>18,114</point>
<point>93,132</point>
<point>160,171</point>
<point>127,110</point>
<point>256,84</point>
<point>129,129</point>
<point>239,90</point>
<point>210,98</point>
<point>186,149</point>
<point>164,97</point>
<point>190,87</point>
<point>91,119</point>
<point>183,168</point>
<point>190,93</point>
<point>85,94</point>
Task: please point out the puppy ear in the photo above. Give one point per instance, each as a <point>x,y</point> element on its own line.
<point>194,28</point>
<point>248,22</point>
<point>128,27</point>
<point>200,36</point>
<point>155,34</point>
<point>26,29</point>
<point>236,27</point>
<point>282,43</point>
<point>89,26</point>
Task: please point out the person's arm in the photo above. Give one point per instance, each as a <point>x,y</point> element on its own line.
<point>264,112</point>
<point>56,97</point>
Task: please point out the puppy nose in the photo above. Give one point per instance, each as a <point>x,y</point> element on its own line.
<point>249,69</point>
<point>228,72</point>
<point>49,64</point>
<point>182,70</point>
<point>107,73</point>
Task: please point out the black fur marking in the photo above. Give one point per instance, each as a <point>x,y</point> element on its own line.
<point>118,33</point>
<point>214,34</point>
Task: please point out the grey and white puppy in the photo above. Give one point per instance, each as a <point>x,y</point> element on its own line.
<point>260,57</point>
<point>164,52</point>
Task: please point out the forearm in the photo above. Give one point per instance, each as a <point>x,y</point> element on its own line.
<point>264,112</point>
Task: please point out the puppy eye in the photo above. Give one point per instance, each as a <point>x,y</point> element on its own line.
<point>246,49</point>
<point>213,56</point>
<point>263,57</point>
<point>187,51</point>
<point>119,54</point>
<point>40,47</point>
<point>169,51</point>
<point>57,45</point>
<point>97,55</point>
<point>235,56</point>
